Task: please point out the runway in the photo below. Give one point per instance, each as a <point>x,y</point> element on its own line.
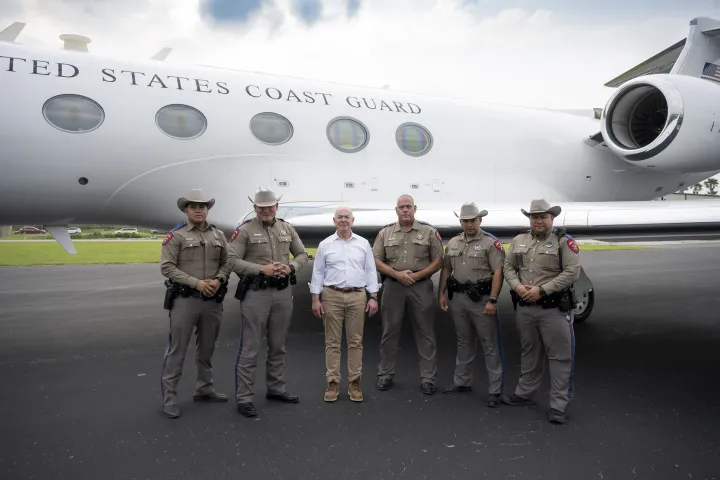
<point>81,351</point>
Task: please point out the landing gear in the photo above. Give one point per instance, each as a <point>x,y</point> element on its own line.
<point>585,304</point>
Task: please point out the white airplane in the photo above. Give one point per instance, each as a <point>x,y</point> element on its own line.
<point>88,139</point>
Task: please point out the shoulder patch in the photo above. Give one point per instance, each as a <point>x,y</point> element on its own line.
<point>169,235</point>
<point>235,234</point>
<point>499,246</point>
<point>572,245</point>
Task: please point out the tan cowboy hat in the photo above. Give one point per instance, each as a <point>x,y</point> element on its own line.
<point>542,206</point>
<point>196,195</point>
<point>470,211</point>
<point>265,197</point>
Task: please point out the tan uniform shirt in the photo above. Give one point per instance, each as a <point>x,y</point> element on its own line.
<point>536,262</point>
<point>189,255</point>
<point>411,250</point>
<point>474,259</point>
<point>252,245</point>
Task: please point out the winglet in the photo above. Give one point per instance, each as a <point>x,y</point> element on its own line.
<point>61,235</point>
<point>11,33</point>
<point>162,54</point>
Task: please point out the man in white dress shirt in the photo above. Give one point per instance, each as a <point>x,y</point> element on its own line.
<point>343,270</point>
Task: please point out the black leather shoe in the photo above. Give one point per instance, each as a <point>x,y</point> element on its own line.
<point>428,388</point>
<point>556,416</point>
<point>211,397</point>
<point>493,401</point>
<point>517,401</point>
<point>452,388</point>
<point>247,409</point>
<point>384,384</point>
<point>171,411</point>
<point>282,397</point>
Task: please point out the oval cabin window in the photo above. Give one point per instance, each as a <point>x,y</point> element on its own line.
<point>181,121</point>
<point>73,113</point>
<point>347,134</point>
<point>413,139</point>
<point>271,128</point>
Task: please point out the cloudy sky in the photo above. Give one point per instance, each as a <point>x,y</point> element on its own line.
<point>542,53</point>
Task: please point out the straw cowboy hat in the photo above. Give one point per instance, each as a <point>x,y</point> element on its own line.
<point>265,197</point>
<point>541,206</point>
<point>196,195</point>
<point>469,211</point>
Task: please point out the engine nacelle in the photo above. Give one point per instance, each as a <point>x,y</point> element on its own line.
<point>666,122</point>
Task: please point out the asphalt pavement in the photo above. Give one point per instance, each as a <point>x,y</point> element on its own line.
<point>81,349</point>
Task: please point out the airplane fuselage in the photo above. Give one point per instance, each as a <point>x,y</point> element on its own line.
<point>128,171</point>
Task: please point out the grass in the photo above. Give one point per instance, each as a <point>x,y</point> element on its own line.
<point>105,253</point>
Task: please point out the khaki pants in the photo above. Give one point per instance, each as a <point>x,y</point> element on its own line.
<point>188,315</point>
<point>346,309</point>
<point>546,333</point>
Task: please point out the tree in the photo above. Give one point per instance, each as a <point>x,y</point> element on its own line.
<point>682,190</point>
<point>696,188</point>
<point>711,185</point>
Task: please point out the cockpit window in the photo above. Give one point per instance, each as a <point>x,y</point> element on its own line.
<point>413,139</point>
<point>73,113</point>
<point>181,121</point>
<point>347,134</point>
<point>271,128</point>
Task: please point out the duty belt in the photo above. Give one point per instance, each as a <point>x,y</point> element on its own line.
<point>563,300</point>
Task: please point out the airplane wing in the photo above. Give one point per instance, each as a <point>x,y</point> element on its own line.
<point>597,220</point>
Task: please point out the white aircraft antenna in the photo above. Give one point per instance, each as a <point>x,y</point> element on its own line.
<point>75,42</point>
<point>162,54</point>
<point>11,32</point>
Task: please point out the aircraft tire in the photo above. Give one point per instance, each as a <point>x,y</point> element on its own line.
<point>586,302</point>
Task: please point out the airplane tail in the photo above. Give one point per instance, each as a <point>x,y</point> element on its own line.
<point>697,55</point>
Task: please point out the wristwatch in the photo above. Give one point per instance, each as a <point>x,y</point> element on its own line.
<point>492,300</point>
<point>292,268</point>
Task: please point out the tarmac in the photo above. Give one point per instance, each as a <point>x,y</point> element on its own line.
<point>81,350</point>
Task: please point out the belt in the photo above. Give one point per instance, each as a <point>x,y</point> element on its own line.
<point>346,290</point>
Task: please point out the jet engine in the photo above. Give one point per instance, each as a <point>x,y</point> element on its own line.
<point>665,122</point>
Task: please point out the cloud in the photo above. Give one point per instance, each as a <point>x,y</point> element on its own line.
<point>352,7</point>
<point>308,10</point>
<point>541,57</point>
<point>230,10</point>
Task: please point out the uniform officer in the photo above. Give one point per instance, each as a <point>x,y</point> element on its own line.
<point>407,254</point>
<point>540,267</point>
<point>473,265</point>
<point>260,254</point>
<point>194,257</point>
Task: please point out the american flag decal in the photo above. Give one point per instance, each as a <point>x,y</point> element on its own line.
<point>711,72</point>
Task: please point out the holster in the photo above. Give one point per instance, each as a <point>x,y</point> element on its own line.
<point>243,286</point>
<point>451,284</point>
<point>172,290</point>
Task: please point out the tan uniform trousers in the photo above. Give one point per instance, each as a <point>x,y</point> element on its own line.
<point>343,309</point>
<point>188,314</point>
<point>420,301</point>
<point>263,312</point>
<point>546,333</point>
<point>471,324</point>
